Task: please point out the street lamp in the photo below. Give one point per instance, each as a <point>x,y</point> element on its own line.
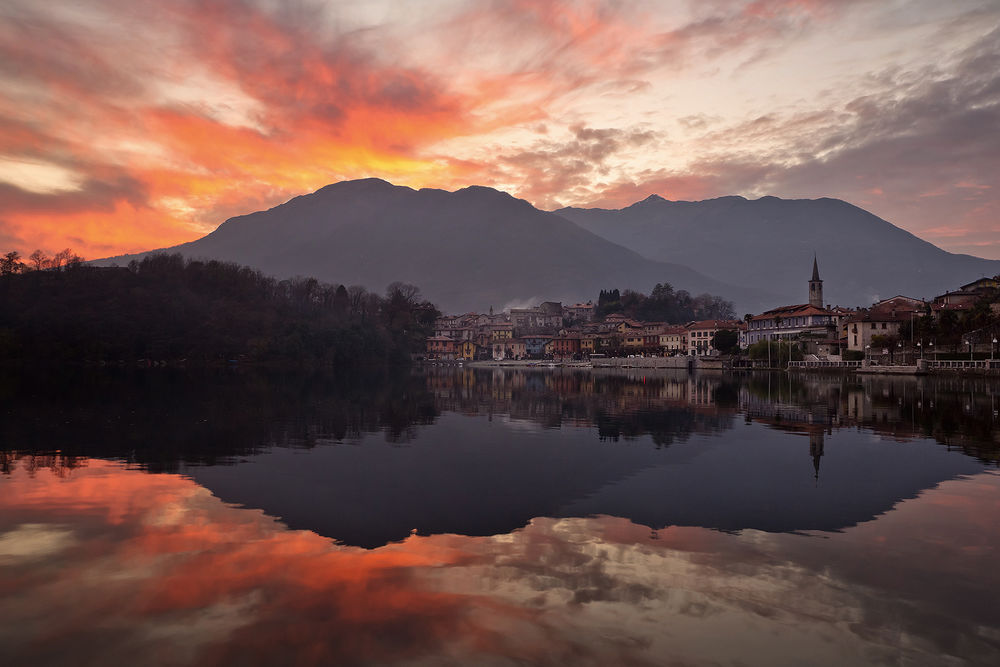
<point>868,352</point>
<point>920,346</point>
<point>969,343</point>
<point>930,344</point>
<point>992,347</point>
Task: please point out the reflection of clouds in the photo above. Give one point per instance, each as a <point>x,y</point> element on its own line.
<point>521,425</point>
<point>175,575</point>
<point>32,540</point>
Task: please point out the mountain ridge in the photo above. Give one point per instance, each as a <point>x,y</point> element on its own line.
<point>469,249</point>
<point>758,243</point>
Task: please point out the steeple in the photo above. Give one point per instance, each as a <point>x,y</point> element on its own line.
<point>815,286</point>
<point>816,451</point>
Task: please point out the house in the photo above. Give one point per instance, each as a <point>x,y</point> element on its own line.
<point>537,318</point>
<point>441,347</point>
<point>673,340</point>
<point>501,330</point>
<point>700,334</point>
<point>509,348</point>
<point>466,350</point>
<point>791,322</point>
<point>884,318</point>
<point>535,345</point>
<point>566,346</point>
<point>579,312</point>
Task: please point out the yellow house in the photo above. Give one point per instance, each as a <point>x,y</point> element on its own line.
<point>504,331</point>
<point>633,339</point>
<point>467,350</point>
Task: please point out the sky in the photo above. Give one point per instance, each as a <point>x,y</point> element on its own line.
<point>127,125</point>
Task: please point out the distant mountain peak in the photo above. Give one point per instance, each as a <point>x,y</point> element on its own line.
<point>360,185</point>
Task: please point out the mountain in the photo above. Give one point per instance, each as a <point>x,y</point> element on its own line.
<point>768,244</point>
<point>466,250</point>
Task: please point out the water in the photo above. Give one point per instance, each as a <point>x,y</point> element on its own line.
<point>476,517</point>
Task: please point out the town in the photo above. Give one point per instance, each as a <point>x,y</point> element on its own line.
<point>957,329</point>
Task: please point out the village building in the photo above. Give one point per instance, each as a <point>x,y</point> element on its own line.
<point>509,348</point>
<point>535,345</point>
<point>579,312</point>
<point>566,346</point>
<point>884,318</point>
<point>546,316</point>
<point>466,350</point>
<point>815,326</point>
<point>701,333</point>
<point>673,340</point>
<point>441,347</point>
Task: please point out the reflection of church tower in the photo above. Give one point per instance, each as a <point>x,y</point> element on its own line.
<point>815,287</point>
<point>816,449</point>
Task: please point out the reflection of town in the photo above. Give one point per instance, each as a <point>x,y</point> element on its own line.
<point>667,405</point>
<point>960,413</point>
<point>223,419</point>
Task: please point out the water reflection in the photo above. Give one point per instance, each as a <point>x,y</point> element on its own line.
<point>103,563</point>
<point>369,460</point>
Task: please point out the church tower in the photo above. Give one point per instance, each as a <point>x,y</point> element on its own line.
<point>815,287</point>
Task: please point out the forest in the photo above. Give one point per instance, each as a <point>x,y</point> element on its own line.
<point>166,309</point>
<point>664,304</point>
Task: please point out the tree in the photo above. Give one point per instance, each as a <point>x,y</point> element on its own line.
<point>11,263</point>
<point>726,341</point>
<point>39,260</point>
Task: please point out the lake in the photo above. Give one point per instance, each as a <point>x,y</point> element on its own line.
<point>456,516</point>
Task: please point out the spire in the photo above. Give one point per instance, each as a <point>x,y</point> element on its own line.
<point>816,286</point>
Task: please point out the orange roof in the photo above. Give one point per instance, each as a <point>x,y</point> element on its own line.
<point>792,311</point>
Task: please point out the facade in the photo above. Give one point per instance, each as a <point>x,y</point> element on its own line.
<point>579,312</point>
<point>441,347</point>
<point>466,350</point>
<point>700,334</point>
<point>566,346</point>
<point>885,318</point>
<point>535,345</point>
<point>673,340</point>
<point>792,322</point>
<point>533,319</point>
<point>509,348</point>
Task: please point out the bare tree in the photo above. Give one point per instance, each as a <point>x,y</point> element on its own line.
<point>39,260</point>
<point>61,258</point>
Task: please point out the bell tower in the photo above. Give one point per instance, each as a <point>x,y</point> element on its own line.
<point>815,287</point>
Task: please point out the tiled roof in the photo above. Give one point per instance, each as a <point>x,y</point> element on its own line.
<point>797,310</point>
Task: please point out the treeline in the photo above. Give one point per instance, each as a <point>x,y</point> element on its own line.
<point>166,308</point>
<point>664,304</point>
<point>12,262</point>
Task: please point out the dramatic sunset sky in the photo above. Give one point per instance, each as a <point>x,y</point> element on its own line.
<point>127,125</point>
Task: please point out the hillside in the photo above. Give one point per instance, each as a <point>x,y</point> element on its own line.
<point>469,249</point>
<point>768,244</point>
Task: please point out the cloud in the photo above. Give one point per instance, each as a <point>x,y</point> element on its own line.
<point>159,120</point>
<point>920,151</point>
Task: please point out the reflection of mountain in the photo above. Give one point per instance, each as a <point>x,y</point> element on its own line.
<point>578,447</point>
<point>481,452</point>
